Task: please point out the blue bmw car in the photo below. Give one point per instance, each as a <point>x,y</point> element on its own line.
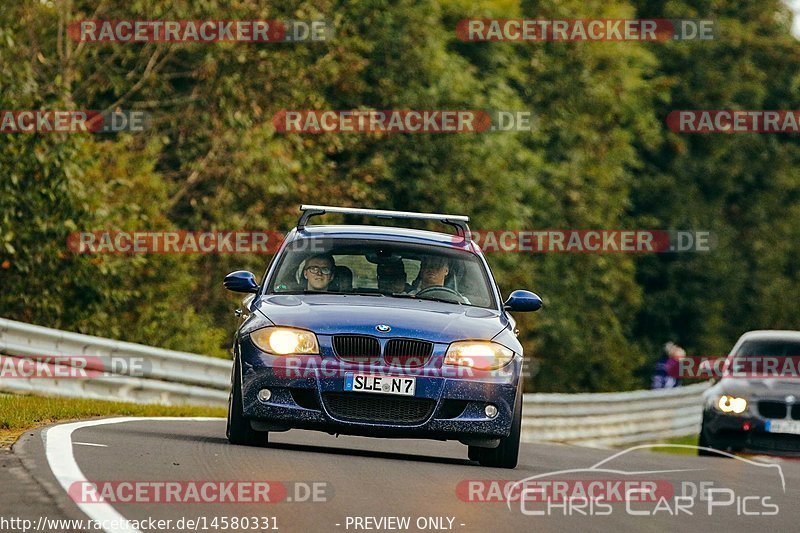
<point>379,331</point>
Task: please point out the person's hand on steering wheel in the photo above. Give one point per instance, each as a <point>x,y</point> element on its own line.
<point>431,292</point>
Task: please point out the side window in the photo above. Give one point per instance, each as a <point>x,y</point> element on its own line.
<point>472,285</point>
<point>288,278</point>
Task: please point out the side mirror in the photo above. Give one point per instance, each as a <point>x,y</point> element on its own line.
<point>523,301</point>
<point>240,281</point>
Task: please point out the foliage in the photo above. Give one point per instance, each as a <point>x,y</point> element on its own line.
<point>600,157</point>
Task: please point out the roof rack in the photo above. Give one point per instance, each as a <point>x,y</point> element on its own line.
<point>457,221</point>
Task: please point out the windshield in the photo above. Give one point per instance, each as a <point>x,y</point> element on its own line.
<point>382,268</point>
<point>769,348</point>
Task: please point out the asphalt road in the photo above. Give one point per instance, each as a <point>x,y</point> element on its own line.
<point>361,483</point>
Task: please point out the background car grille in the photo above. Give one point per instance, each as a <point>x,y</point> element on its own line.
<point>368,408</point>
<point>357,348</point>
<point>772,409</point>
<point>407,352</point>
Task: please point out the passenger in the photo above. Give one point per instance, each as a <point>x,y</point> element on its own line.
<point>318,272</point>
<point>392,278</point>
<point>343,279</point>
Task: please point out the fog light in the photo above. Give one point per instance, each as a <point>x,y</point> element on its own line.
<point>490,410</point>
<point>264,395</point>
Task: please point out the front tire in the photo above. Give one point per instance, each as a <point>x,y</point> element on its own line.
<point>239,430</point>
<point>703,442</point>
<point>506,455</point>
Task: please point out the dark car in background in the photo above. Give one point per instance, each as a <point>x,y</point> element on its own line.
<point>757,411</point>
<point>379,331</point>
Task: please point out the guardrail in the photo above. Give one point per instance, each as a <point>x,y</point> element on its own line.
<point>167,377</point>
<point>613,419</point>
<point>171,377</point>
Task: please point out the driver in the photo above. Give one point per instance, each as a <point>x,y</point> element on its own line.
<point>319,272</point>
<point>432,272</point>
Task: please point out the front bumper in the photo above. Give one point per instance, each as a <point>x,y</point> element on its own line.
<point>302,397</point>
<point>746,432</point>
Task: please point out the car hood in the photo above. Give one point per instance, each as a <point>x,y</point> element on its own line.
<point>412,318</point>
<point>759,388</point>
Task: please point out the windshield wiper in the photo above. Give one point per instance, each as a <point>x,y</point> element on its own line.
<point>401,295</point>
<point>440,300</point>
<point>357,293</point>
<point>295,293</point>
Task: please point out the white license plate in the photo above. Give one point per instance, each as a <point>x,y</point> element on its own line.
<point>783,426</point>
<point>379,384</point>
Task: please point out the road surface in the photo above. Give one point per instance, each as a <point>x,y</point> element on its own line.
<point>363,484</point>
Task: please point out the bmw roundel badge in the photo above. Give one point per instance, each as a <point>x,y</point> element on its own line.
<point>383,328</point>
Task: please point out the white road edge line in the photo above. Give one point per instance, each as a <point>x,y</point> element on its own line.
<point>60,458</point>
<point>90,444</point>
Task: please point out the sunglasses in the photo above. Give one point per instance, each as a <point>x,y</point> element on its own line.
<point>324,271</point>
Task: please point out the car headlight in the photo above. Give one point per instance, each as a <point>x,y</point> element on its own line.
<point>732,404</point>
<point>285,341</point>
<point>480,355</point>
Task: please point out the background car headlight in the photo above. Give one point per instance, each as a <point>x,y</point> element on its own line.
<point>480,355</point>
<point>285,341</point>
<point>732,404</point>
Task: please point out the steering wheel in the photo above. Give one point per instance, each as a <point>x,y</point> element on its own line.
<point>446,291</point>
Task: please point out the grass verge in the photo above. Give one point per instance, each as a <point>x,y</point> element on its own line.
<point>689,439</point>
<point>21,413</point>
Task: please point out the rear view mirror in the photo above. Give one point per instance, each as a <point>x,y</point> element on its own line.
<point>241,281</point>
<point>523,301</point>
